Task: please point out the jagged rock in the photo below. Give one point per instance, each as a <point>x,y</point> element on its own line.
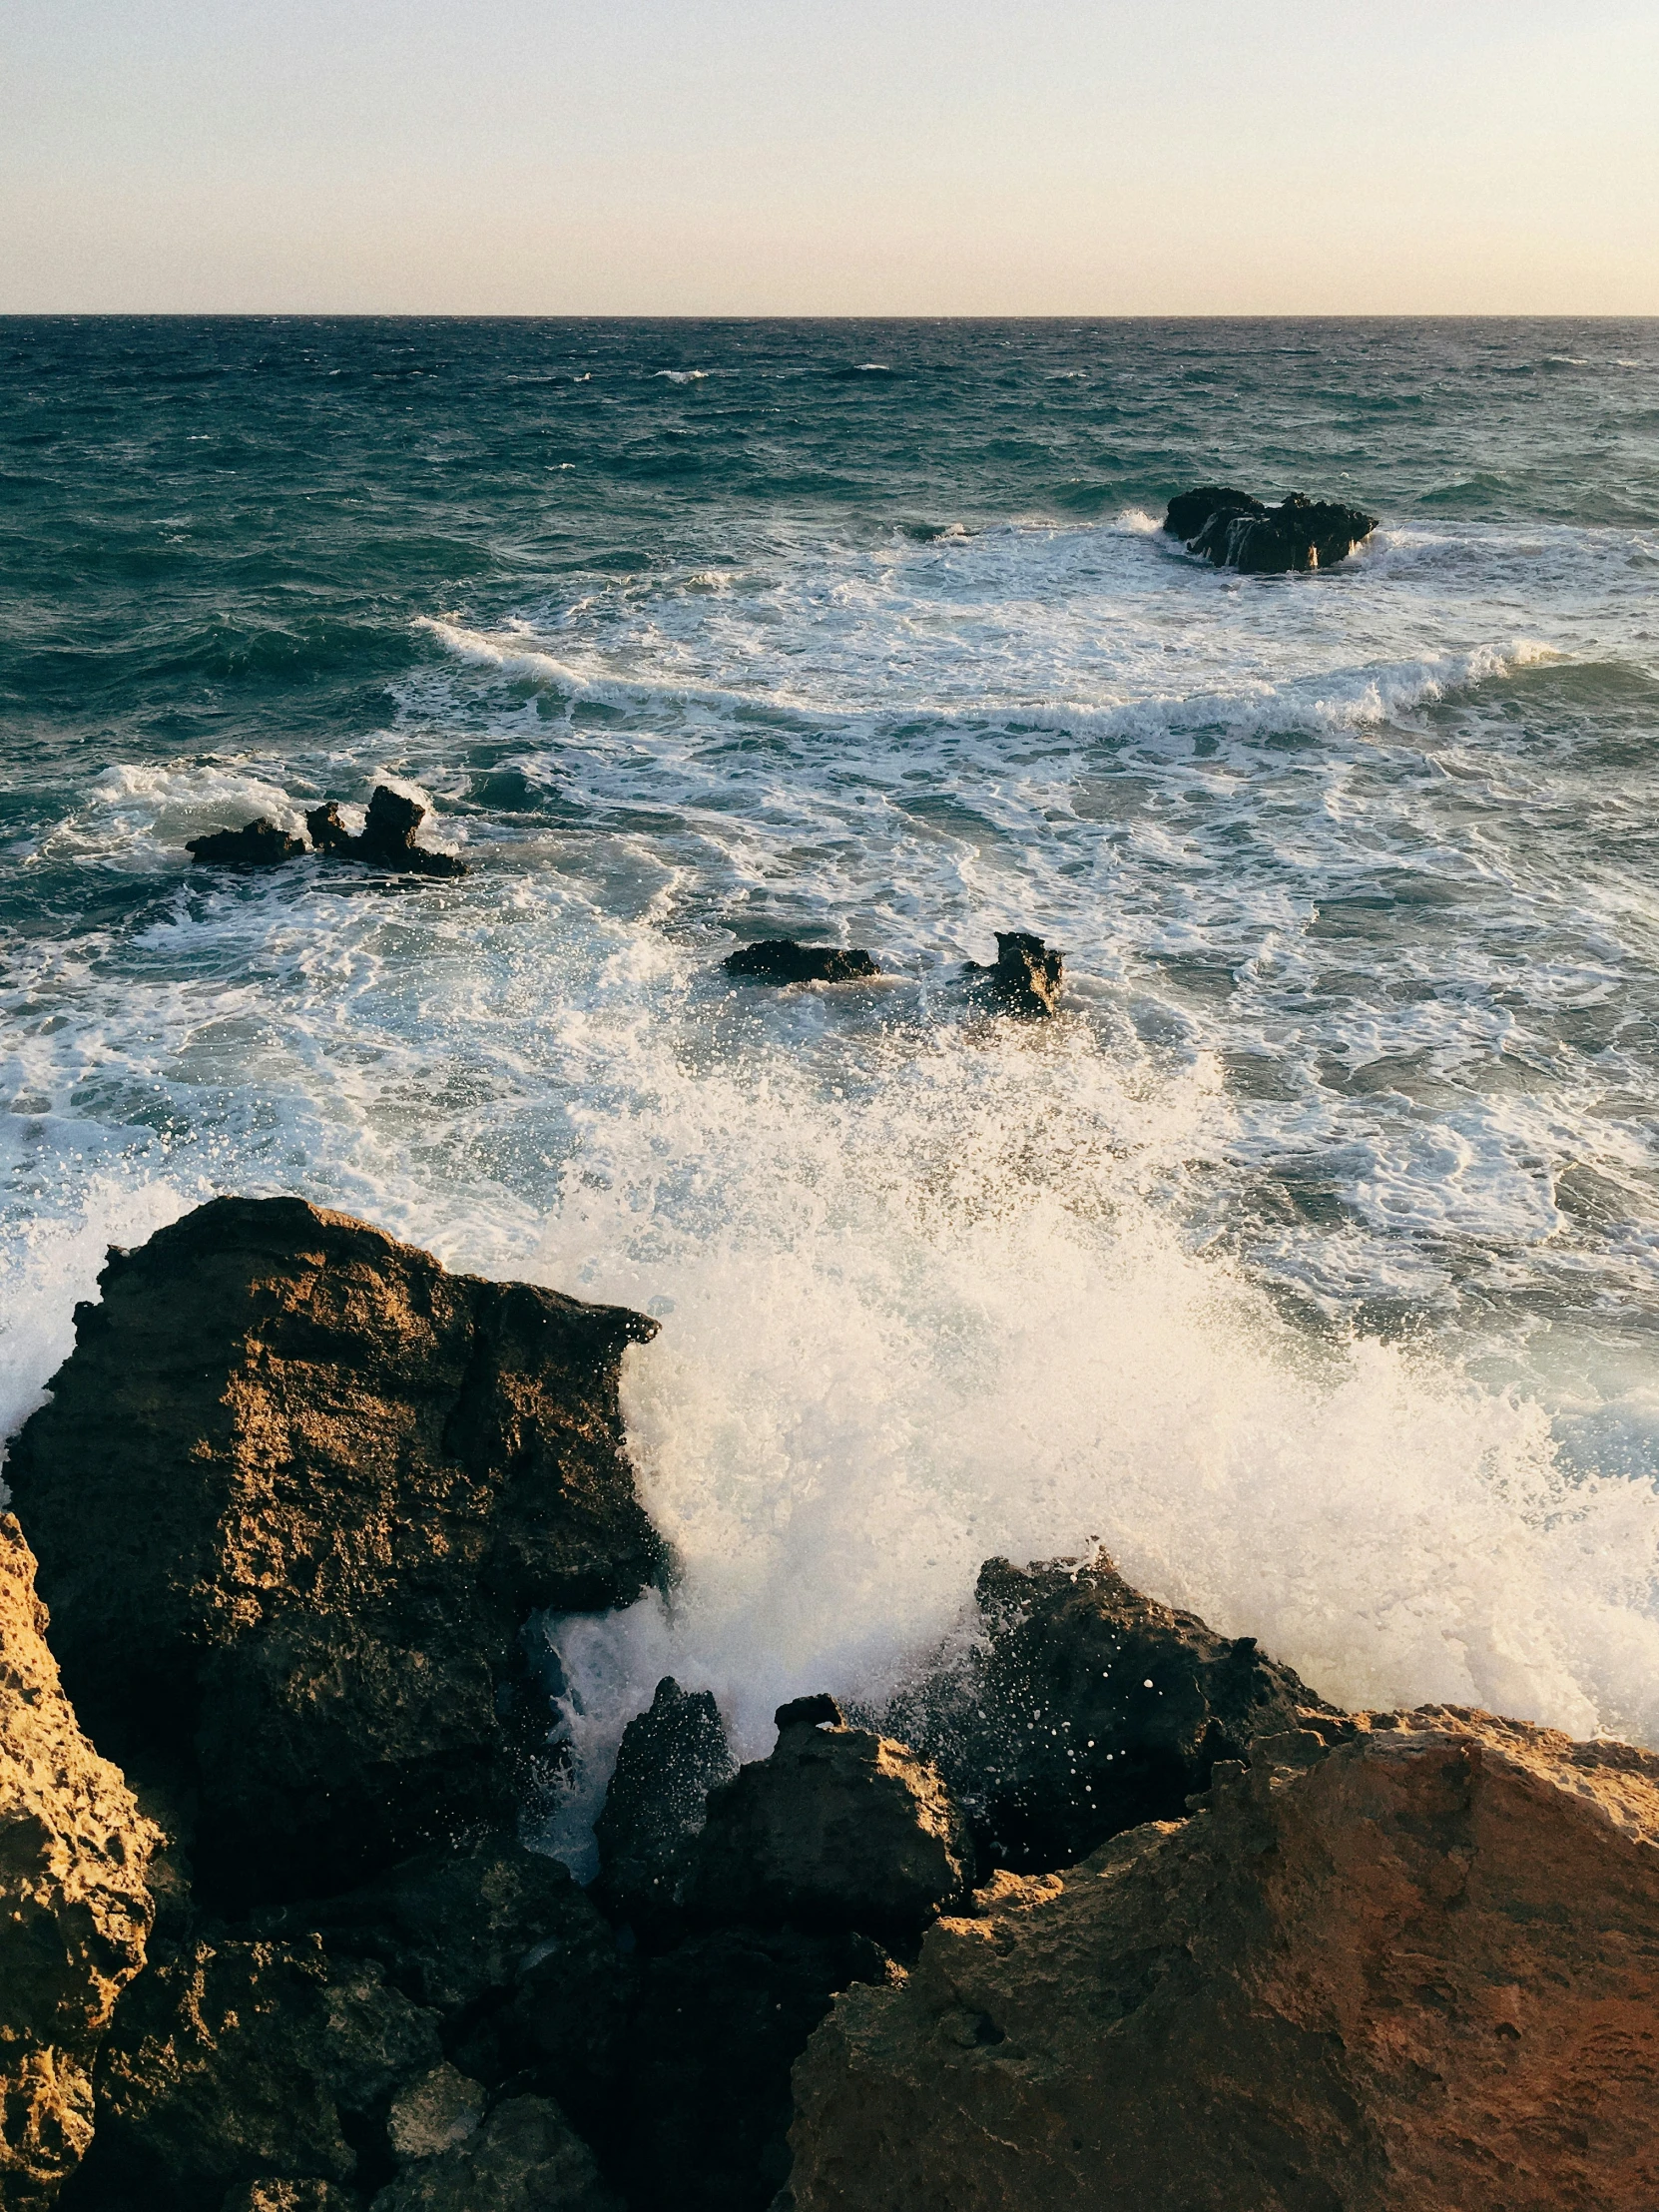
<point>1026,977</point>
<point>75,1909</point>
<point>261,844</point>
<point>269,2194</point>
<point>1086,1709</point>
<point>433,2114</point>
<point>669,1758</point>
<point>1414,1968</point>
<point>781,961</point>
<point>232,2062</point>
<point>1234,530</point>
<point>720,2023</point>
<point>387,838</point>
<point>839,1829</point>
<point>525,2158</point>
<point>294,1493</point>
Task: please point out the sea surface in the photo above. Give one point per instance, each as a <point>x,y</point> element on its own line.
<point>1311,1261</point>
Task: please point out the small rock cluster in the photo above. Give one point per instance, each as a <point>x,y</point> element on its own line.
<point>1236,530</point>
<point>387,840</point>
<point>1024,980</point>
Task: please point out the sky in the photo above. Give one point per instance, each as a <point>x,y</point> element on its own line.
<point>829,156</point>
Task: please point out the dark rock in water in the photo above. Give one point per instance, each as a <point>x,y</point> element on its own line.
<point>781,961</point>
<point>721,2020</point>
<point>1088,1708</point>
<point>232,2062</point>
<point>75,1903</point>
<point>294,1493</point>
<point>1235,531</point>
<point>670,1758</point>
<point>261,844</point>
<point>839,1829</point>
<point>525,2158</point>
<point>387,840</point>
<point>1025,978</point>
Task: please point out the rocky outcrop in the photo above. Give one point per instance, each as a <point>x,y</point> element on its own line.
<point>669,1760</point>
<point>1235,530</point>
<point>781,961</point>
<point>296,1491</point>
<point>840,1828</point>
<point>75,1909</point>
<point>1397,1963</point>
<point>387,840</point>
<point>262,843</point>
<point>1026,977</point>
<point>525,2158</point>
<point>1085,1708</point>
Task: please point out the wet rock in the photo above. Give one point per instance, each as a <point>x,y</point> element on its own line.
<point>525,2158</point>
<point>1413,1966</point>
<point>840,1828</point>
<point>669,1758</point>
<point>297,1490</point>
<point>387,838</point>
<point>1026,977</point>
<point>1236,531</point>
<point>781,961</point>
<point>434,2113</point>
<point>1086,1709</point>
<point>269,2194</point>
<point>233,2063</point>
<point>75,1907</point>
<point>721,2020</point>
<point>261,844</point>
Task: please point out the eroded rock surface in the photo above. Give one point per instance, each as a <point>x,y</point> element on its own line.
<point>840,1828</point>
<point>1086,1709</point>
<point>783,960</point>
<point>296,1491</point>
<point>1235,530</point>
<point>1026,977</point>
<point>1399,1962</point>
<point>669,1758</point>
<point>525,2158</point>
<point>75,1907</point>
<point>387,840</point>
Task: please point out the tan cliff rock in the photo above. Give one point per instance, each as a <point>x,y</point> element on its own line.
<point>1407,1963</point>
<point>75,1910</point>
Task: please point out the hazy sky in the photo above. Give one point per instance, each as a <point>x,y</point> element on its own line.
<point>831,155</point>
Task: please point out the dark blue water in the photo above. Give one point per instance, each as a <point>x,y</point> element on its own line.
<point>1311,1259</point>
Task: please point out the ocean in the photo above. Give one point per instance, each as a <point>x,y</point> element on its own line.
<point>1310,1261</point>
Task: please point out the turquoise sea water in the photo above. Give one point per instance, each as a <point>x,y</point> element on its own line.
<point>1310,1261</point>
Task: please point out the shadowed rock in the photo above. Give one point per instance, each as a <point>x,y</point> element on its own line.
<point>296,1491</point>
<point>1401,1962</point>
<point>839,1829</point>
<point>781,961</point>
<point>261,844</point>
<point>670,1758</point>
<point>387,838</point>
<point>525,2158</point>
<point>75,1910</point>
<point>1086,1707</point>
<point>1234,530</point>
<point>1025,978</point>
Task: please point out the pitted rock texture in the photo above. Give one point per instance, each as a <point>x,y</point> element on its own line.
<point>1234,530</point>
<point>525,2158</point>
<point>297,1490</point>
<point>1401,1962</point>
<point>1086,1709</point>
<point>75,1907</point>
<point>783,960</point>
<point>839,1829</point>
<point>669,1758</point>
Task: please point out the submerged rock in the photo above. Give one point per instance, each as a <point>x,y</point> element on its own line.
<point>1234,530</point>
<point>781,961</point>
<point>669,1758</point>
<point>1413,1965</point>
<point>1085,1709</point>
<point>839,1829</point>
<point>387,838</point>
<point>75,1907</point>
<point>296,1491</point>
<point>261,844</point>
<point>1025,978</point>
